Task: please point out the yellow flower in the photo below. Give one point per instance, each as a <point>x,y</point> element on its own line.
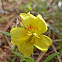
<point>32,35</point>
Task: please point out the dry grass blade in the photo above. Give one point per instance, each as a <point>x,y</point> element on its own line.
<point>56,51</point>
<point>40,57</point>
<point>9,43</point>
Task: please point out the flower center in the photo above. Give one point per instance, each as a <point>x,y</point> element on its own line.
<point>31,31</point>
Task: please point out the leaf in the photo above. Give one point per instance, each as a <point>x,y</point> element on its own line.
<point>29,59</point>
<point>18,54</point>
<point>23,58</point>
<point>60,45</point>
<point>6,33</point>
<point>51,57</point>
<point>3,18</point>
<point>13,60</point>
<point>13,48</point>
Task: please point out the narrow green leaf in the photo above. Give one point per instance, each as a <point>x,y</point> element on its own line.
<point>13,60</point>
<point>18,54</point>
<point>13,48</point>
<point>51,57</point>
<point>3,18</point>
<point>29,59</point>
<point>6,33</point>
<point>23,58</point>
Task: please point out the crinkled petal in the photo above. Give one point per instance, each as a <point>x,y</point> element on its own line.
<point>18,35</point>
<point>26,48</point>
<point>41,24</point>
<point>38,22</point>
<point>28,19</point>
<point>43,43</point>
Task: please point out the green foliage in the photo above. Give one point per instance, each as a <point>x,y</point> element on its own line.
<point>14,48</point>
<point>6,33</point>
<point>3,18</point>
<point>51,57</point>
<point>23,59</point>
<point>55,30</point>
<point>26,6</point>
<point>6,61</point>
<point>60,46</point>
<point>28,59</point>
<point>13,60</point>
<point>34,6</point>
<point>41,7</point>
<point>18,54</point>
<point>59,25</point>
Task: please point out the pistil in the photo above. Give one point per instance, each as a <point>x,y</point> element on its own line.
<point>32,42</point>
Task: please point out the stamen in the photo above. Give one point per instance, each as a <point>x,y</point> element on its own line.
<point>39,37</point>
<point>27,34</point>
<point>31,26</point>
<point>35,27</point>
<point>32,42</point>
<point>27,30</point>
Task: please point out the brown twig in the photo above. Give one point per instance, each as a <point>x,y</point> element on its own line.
<point>57,40</point>
<point>9,43</point>
<point>39,57</point>
<point>56,52</point>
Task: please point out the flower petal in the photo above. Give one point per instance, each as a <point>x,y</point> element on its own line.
<point>26,48</point>
<point>43,43</point>
<point>28,19</point>
<point>41,24</point>
<point>18,35</point>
